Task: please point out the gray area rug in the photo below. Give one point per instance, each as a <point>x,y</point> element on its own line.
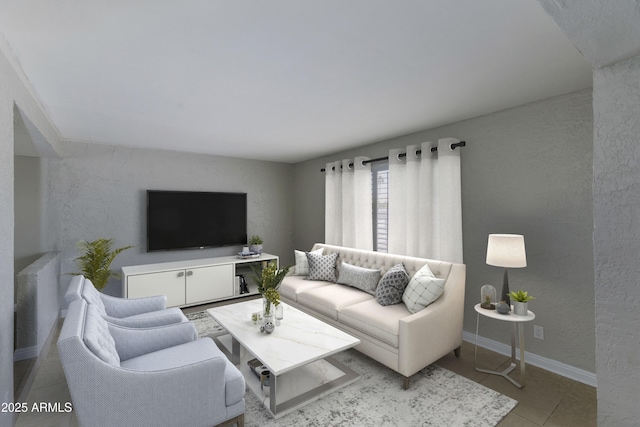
<point>205,325</point>
<point>437,397</point>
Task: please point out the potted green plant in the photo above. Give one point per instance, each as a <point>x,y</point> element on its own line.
<point>520,299</point>
<point>255,244</point>
<point>268,280</point>
<point>95,259</point>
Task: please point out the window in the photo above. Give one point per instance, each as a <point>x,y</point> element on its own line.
<point>380,209</point>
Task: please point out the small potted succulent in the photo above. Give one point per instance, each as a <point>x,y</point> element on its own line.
<point>255,244</point>
<point>520,299</point>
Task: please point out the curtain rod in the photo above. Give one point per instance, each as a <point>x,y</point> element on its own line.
<point>433,150</point>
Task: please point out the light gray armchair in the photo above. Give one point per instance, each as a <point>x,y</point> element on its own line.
<point>135,312</point>
<point>161,376</point>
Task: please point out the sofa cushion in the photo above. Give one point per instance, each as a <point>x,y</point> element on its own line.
<point>175,356</point>
<point>392,285</point>
<point>302,263</point>
<point>329,299</point>
<point>378,322</point>
<point>168,316</point>
<point>365,279</point>
<point>292,286</point>
<point>191,353</point>
<point>322,267</point>
<point>423,289</point>
<point>97,337</point>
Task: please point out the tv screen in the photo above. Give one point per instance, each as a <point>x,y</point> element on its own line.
<point>195,220</point>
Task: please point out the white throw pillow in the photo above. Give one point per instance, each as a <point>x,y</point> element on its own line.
<point>423,289</point>
<point>302,263</point>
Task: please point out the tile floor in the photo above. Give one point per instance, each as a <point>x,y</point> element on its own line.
<point>547,400</point>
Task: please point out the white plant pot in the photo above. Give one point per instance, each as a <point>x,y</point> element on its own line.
<point>520,308</point>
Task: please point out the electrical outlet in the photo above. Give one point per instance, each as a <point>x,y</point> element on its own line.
<point>538,332</point>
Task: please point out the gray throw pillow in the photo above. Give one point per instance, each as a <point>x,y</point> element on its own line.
<point>392,285</point>
<point>362,278</point>
<point>322,267</point>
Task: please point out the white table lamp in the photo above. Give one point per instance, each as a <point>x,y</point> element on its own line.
<point>506,250</point>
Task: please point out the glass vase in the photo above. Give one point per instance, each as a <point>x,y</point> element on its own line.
<point>267,308</point>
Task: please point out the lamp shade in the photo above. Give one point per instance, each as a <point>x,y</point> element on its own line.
<point>506,250</point>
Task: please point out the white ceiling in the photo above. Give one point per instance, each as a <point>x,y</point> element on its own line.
<point>282,80</point>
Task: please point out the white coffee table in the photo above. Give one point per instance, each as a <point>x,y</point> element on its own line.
<point>297,354</point>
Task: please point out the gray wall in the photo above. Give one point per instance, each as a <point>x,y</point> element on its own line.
<point>100,191</point>
<point>525,170</point>
<point>616,208</point>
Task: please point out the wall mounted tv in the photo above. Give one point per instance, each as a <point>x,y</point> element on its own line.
<point>195,220</point>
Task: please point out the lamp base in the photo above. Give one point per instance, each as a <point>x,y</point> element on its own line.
<point>504,294</point>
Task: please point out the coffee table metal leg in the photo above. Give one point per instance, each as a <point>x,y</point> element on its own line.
<point>273,385</point>
<point>235,351</point>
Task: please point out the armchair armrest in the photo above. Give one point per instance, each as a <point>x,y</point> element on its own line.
<point>122,307</point>
<point>133,342</point>
<point>74,291</point>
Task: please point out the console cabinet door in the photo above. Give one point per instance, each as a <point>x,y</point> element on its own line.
<point>169,283</point>
<point>209,283</point>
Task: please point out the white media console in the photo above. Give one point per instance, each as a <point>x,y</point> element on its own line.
<point>192,282</point>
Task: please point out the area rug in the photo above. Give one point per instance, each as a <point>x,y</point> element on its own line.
<point>437,397</point>
<point>205,325</point>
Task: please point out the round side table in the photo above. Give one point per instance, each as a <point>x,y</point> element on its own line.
<point>517,322</point>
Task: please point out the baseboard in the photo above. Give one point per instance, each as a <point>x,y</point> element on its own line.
<point>35,351</point>
<point>545,363</point>
<point>25,353</point>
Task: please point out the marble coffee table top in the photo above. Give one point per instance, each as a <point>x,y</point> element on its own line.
<point>298,340</point>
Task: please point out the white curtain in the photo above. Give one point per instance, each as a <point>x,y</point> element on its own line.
<point>425,202</point>
<point>348,214</point>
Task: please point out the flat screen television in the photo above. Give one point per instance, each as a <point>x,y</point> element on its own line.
<point>195,220</point>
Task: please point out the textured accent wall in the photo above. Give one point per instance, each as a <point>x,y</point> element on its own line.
<point>13,92</point>
<point>6,244</point>
<point>30,197</point>
<point>616,209</point>
<point>525,170</point>
<point>100,191</point>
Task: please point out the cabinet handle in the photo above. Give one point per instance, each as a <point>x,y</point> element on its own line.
<point>189,273</point>
<point>181,274</point>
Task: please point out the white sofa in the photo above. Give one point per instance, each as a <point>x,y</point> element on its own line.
<point>405,342</point>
